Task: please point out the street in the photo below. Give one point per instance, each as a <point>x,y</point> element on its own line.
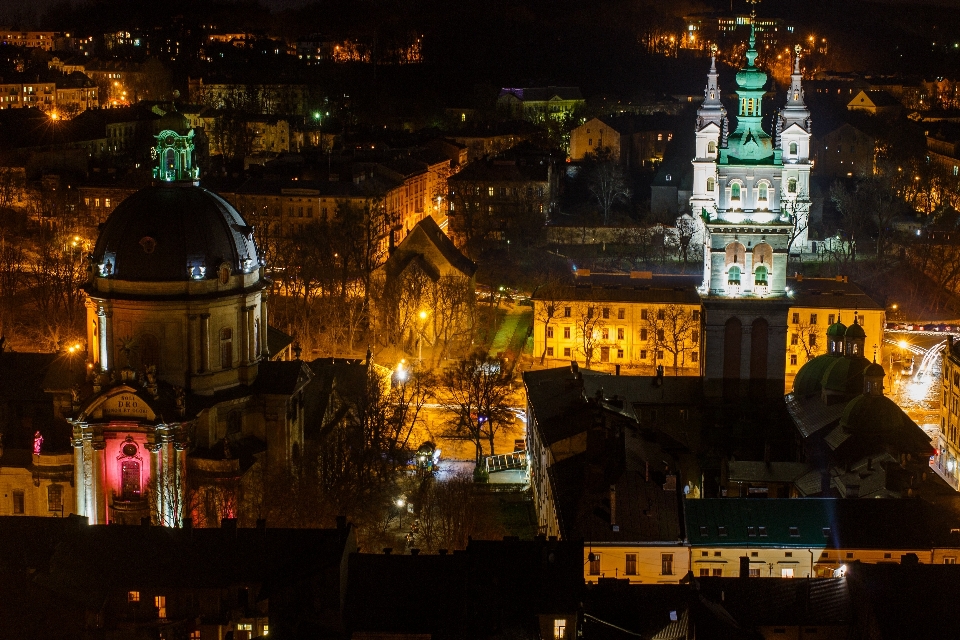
<point>915,389</point>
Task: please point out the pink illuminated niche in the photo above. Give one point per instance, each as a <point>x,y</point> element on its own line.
<point>37,443</point>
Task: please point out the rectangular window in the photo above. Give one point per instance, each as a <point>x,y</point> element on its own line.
<point>950,560</point>
<point>643,314</point>
<point>566,352</point>
<point>813,318</point>
<point>566,333</point>
<point>643,334</point>
<point>566,312</point>
<point>786,573</point>
<point>794,339</point>
<point>660,355</point>
<point>550,351</point>
<point>643,354</point>
<point>661,314</point>
<point>589,312</point>
<point>606,313</point>
<point>796,318</point>
<point>793,359</point>
<point>813,339</point>
<point>620,353</point>
<point>595,565</point>
<point>309,212</point>
<point>831,318</point>
<point>18,501</point>
<point>752,532</point>
<point>55,498</point>
<point>696,315</point>
<point>631,564</point>
<point>620,333</point>
<point>666,564</point>
<point>718,573</point>
<point>754,573</point>
<point>704,573</point>
<point>133,596</point>
<point>549,332</point>
<point>621,314</point>
<point>661,335</point>
<point>722,531</point>
<point>161,603</point>
<point>605,333</point>
<point>794,532</point>
<point>763,532</point>
<point>106,202</point>
<point>489,191</point>
<point>694,356</point>
<point>559,629</point>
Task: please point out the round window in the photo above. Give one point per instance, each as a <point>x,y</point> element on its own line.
<point>129,449</point>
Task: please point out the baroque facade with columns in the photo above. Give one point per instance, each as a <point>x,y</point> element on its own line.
<point>181,398</point>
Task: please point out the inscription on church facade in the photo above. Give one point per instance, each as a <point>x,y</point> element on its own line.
<point>128,405</point>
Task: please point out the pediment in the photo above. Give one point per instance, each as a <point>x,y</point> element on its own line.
<point>121,402</point>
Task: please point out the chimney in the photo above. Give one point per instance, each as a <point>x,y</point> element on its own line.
<point>744,567</point>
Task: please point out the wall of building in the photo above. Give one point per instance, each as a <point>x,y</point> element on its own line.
<point>648,566</point>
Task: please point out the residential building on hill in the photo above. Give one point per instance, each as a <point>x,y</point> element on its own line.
<point>539,103</point>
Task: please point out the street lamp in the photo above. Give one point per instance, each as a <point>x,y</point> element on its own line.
<point>423,318</point>
<point>401,503</point>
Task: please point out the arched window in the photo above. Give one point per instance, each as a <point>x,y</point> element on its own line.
<point>762,194</point>
<point>226,348</point>
<point>711,147</point>
<point>735,191</point>
<point>149,350</point>
<point>710,183</point>
<point>733,276</point>
<point>792,185</point>
<point>793,148</point>
<point>760,276</point>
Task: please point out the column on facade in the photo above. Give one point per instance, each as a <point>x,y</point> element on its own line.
<point>251,343</point>
<point>264,333</point>
<point>80,462</point>
<point>243,351</point>
<point>102,338</point>
<point>156,481</point>
<point>98,480</point>
<point>180,482</point>
<point>108,320</point>
<point>204,342</point>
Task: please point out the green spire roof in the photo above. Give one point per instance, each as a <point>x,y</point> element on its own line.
<point>750,77</point>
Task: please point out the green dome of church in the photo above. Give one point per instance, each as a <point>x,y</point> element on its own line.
<point>809,377</point>
<point>874,371</point>
<point>867,413</point>
<point>751,77</point>
<point>845,375</point>
<point>855,331</point>
<point>836,330</point>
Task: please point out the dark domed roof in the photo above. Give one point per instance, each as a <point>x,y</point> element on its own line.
<point>807,381</point>
<point>872,413</point>
<point>174,232</point>
<point>874,371</point>
<point>837,329</point>
<point>855,331</point>
<point>845,375</point>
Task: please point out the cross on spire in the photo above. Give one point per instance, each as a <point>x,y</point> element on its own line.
<point>753,9</point>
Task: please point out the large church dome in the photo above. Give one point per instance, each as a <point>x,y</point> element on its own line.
<point>174,231</point>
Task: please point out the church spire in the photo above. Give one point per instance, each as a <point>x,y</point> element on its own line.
<point>796,112</point>
<point>711,111</point>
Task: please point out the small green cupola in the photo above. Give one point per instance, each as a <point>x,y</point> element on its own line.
<point>854,339</point>
<point>835,334</point>
<point>873,379</point>
<point>173,156</point>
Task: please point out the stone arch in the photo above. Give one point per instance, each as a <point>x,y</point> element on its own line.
<point>763,255</point>
<point>732,338</point>
<point>759,345</point>
<point>735,254</point>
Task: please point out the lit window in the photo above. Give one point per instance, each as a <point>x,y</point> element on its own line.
<point>710,183</point>
<point>559,629</point>
<point>786,573</point>
<point>55,498</point>
<point>133,596</point>
<point>161,603</point>
<point>631,564</point>
<point>594,559</point>
<point>666,564</point>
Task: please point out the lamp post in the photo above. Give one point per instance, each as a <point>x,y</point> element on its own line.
<point>423,319</point>
<point>401,503</point>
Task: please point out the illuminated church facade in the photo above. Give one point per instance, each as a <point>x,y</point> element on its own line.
<point>750,198</point>
<point>181,398</point>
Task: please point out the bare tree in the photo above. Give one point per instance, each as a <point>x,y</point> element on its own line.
<point>607,183</point>
<point>670,328</point>
<point>475,393</point>
<point>452,512</point>
<point>808,336</point>
<point>546,307</point>
<point>588,325</point>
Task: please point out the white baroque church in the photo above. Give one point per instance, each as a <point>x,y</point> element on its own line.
<point>751,200</point>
